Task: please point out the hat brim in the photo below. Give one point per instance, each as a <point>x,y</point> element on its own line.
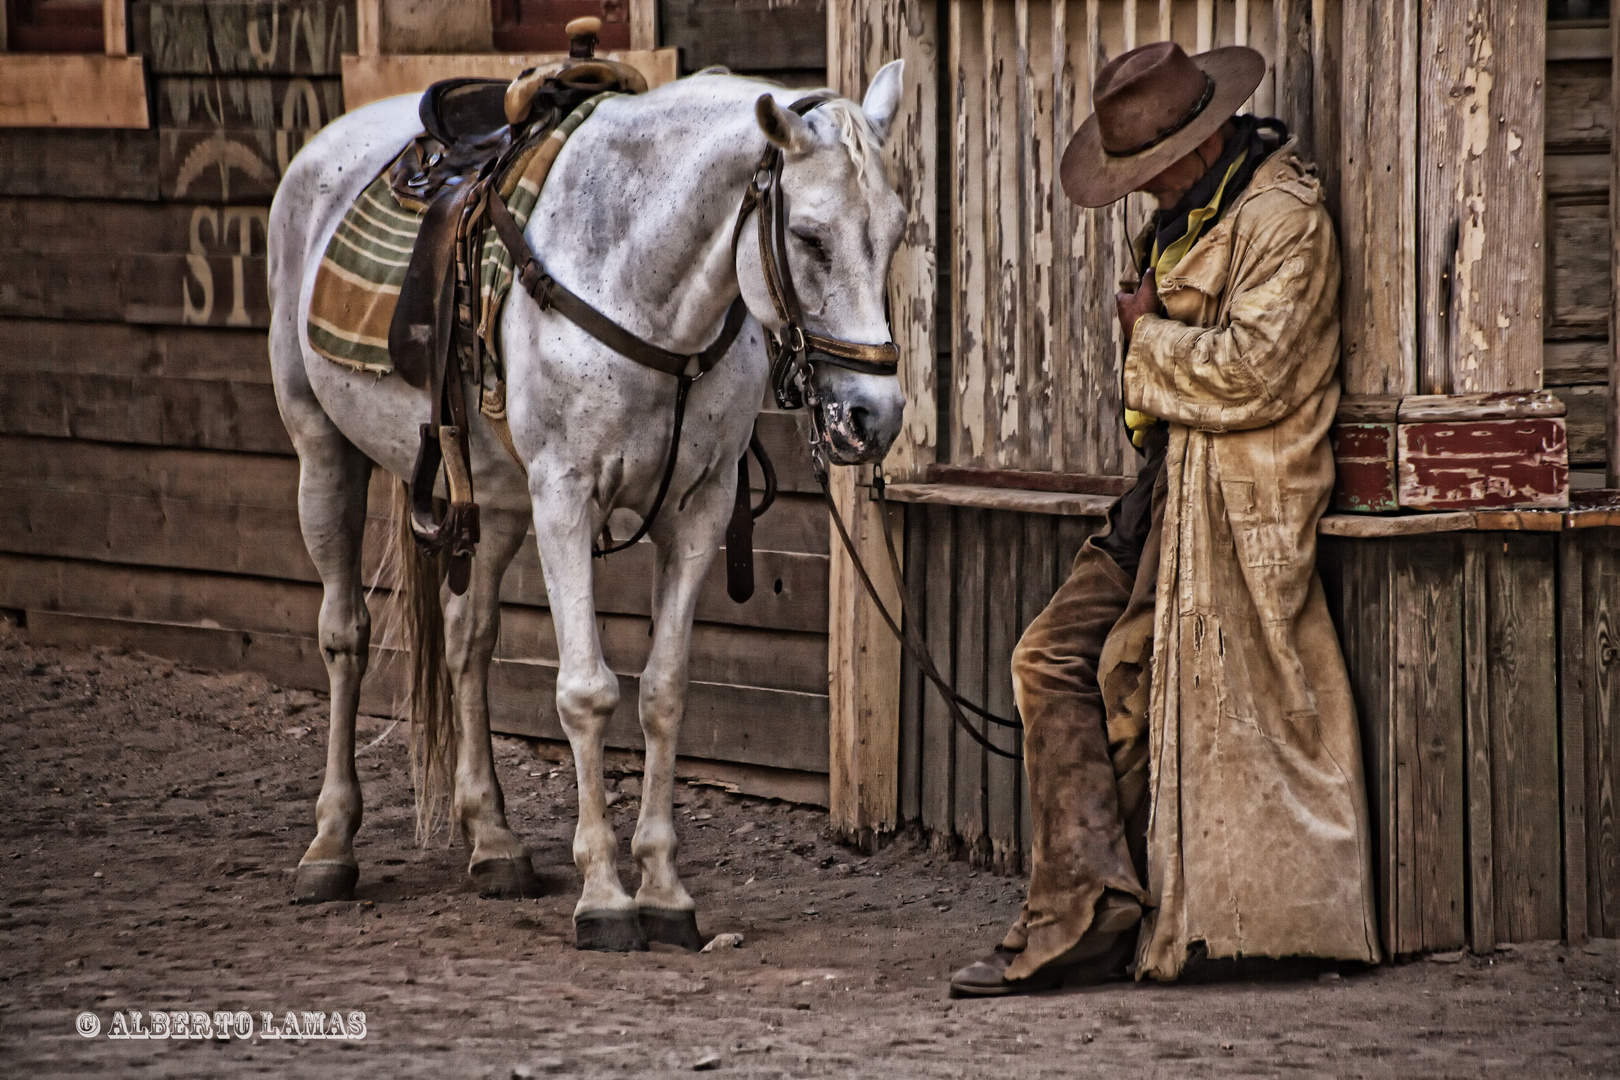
<point>1093,177</point>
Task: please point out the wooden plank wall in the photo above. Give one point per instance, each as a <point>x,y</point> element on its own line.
<point>1458,676</point>
<point>1590,749</point>
<point>975,579</point>
<point>1033,373</point>
<point>1035,352</point>
<point>147,484</point>
<point>1579,279</point>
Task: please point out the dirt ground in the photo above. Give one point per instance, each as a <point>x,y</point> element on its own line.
<point>152,816</point>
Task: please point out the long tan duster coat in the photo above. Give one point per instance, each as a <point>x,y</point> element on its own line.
<point>1258,843</point>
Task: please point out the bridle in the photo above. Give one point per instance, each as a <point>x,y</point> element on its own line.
<point>795,350</point>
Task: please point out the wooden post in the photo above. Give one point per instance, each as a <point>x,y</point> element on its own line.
<point>368,27</point>
<point>1479,167</point>
<point>1377,196</point>
<point>1614,260</point>
<point>643,24</point>
<point>1572,729</point>
<point>863,657</point>
<point>114,28</point>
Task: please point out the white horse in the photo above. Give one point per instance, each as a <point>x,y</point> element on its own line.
<point>636,218</point>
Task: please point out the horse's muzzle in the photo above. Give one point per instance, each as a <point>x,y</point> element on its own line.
<point>861,415</point>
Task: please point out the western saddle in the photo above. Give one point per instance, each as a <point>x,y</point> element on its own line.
<point>474,128</point>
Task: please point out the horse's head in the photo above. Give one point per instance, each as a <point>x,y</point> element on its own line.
<point>843,222</point>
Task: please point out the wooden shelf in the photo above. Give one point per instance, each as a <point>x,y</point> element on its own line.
<point>1059,503</point>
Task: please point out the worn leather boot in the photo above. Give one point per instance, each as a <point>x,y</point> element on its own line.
<point>1099,954</point>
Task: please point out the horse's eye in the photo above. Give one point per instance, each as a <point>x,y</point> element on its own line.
<point>812,242</point>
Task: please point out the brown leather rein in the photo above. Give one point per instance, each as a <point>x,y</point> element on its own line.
<point>794,350</point>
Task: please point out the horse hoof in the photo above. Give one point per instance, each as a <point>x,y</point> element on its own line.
<point>319,882</point>
<point>609,931</point>
<point>671,927</point>
<point>505,879</point>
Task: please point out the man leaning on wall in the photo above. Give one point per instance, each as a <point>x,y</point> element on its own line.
<point>1194,768</point>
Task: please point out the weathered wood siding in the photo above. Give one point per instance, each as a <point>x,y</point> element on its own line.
<point>974,579</point>
<point>148,484</point>
<point>1579,251</point>
<point>1031,378</point>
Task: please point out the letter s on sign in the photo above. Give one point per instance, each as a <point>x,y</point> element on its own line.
<point>357,1025</point>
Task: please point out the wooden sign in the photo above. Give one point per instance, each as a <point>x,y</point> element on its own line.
<point>215,37</point>
<point>230,139</point>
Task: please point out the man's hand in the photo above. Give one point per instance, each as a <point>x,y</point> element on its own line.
<point>1132,306</point>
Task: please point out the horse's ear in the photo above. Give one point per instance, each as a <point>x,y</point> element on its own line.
<point>783,127</point>
<point>883,98</point>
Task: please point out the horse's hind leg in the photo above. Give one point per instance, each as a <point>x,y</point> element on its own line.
<point>333,476</point>
<point>499,863</point>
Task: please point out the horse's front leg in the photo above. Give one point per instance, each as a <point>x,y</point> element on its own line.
<point>666,909</point>
<point>587,695</point>
<point>499,863</point>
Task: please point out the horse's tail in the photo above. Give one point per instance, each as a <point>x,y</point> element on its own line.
<point>430,705</point>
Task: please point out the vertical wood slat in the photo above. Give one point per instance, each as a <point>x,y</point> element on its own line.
<point>912,688</point>
<point>1166,25</point>
<point>1523,695</point>
<point>1295,81</point>
<point>1003,244</point>
<point>1061,224</point>
<point>1095,443</point>
<point>1428,713</point>
<point>1482,928</point>
<point>643,24</point>
<point>114,27</point>
<point>1480,78</point>
<point>1206,25</point>
<point>1003,576</point>
<point>937,795</point>
<point>969,267</point>
<point>1602,735</point>
<point>1369,653</point>
<point>1572,730</point>
<point>969,786</point>
<point>863,658</point>
<point>1378,196</point>
<point>1613,419</point>
<point>1038,580</point>
<point>1327,75</point>
<point>1038,197</point>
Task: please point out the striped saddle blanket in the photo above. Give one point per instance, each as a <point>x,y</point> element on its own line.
<point>358,283</point>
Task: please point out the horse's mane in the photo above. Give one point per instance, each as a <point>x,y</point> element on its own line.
<point>854,129</point>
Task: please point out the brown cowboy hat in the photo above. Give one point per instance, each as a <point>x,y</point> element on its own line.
<point>1153,106</point>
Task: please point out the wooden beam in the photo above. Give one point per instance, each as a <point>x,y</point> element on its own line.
<point>372,78</point>
<point>368,28</point>
<point>1572,729</point>
<point>115,27</point>
<point>46,90</point>
<point>1377,186</point>
<point>863,657</point>
<point>1614,266</point>
<point>643,25</point>
<point>1480,77</point>
<point>1477,749</point>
